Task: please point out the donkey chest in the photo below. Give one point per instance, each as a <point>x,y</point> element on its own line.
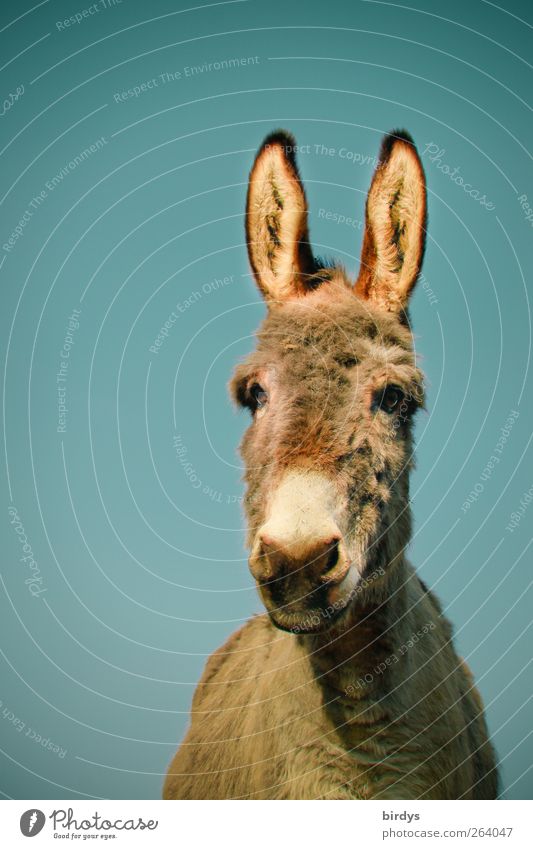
<point>283,737</point>
<point>310,746</point>
<point>289,742</point>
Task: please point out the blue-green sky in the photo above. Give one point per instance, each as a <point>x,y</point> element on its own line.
<point>127,136</point>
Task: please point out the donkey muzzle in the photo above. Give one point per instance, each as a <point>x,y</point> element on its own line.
<point>299,559</point>
<point>315,561</point>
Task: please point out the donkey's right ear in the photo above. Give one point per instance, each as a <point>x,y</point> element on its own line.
<point>276,221</point>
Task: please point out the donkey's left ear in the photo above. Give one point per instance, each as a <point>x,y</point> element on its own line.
<point>395,234</point>
<point>276,221</point>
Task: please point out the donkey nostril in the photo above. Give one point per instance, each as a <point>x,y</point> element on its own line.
<point>261,561</point>
<point>337,564</point>
<point>333,555</point>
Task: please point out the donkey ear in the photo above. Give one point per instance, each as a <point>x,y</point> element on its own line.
<point>395,233</point>
<point>276,221</point>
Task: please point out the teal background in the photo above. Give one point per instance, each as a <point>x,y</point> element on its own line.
<point>141,554</point>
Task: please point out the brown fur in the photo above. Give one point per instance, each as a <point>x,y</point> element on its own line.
<point>366,698</point>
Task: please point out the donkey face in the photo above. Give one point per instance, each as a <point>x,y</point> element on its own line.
<point>332,388</point>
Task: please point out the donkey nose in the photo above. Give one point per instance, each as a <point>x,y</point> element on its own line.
<point>320,559</point>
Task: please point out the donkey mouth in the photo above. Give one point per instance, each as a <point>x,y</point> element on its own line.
<point>310,621</point>
<point>316,612</point>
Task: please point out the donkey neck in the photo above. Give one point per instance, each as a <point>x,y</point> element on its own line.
<point>352,658</point>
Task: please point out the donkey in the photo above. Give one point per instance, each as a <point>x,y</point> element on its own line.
<point>349,686</point>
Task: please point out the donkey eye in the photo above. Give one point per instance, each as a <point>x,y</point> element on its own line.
<point>390,399</point>
<point>258,396</point>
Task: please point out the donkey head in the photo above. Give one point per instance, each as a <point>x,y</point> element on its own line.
<point>332,388</point>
